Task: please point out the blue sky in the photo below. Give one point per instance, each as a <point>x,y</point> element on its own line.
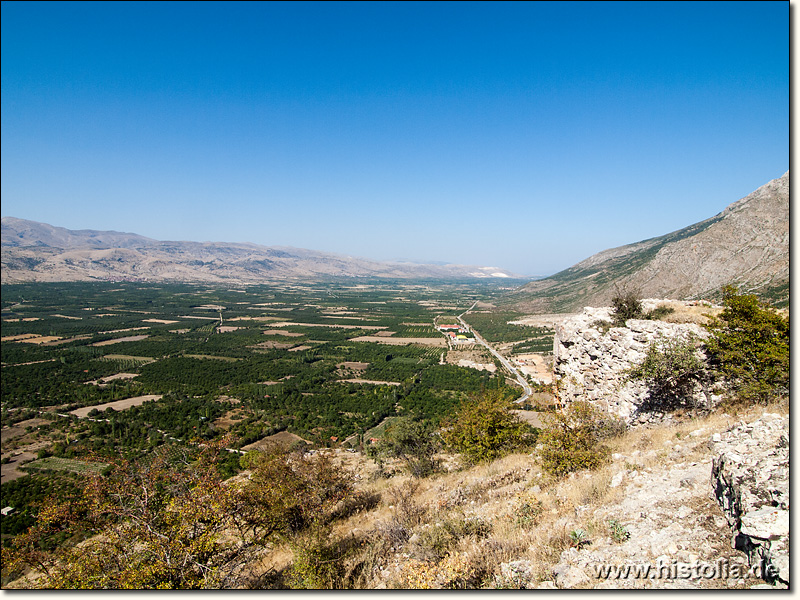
<point>526,136</point>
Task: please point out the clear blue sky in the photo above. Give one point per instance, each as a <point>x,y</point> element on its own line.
<point>522,135</point>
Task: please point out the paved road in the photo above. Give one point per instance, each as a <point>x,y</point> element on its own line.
<point>526,388</point>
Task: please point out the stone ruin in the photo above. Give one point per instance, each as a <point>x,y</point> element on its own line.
<point>590,360</point>
<point>750,477</point>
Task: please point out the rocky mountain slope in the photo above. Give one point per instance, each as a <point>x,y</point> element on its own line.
<point>34,251</point>
<point>747,244</point>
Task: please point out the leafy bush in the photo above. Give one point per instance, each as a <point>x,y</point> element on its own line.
<point>571,439</point>
<point>412,441</point>
<point>750,347</point>
<point>626,305</point>
<point>671,369</point>
<point>317,563</point>
<point>484,428</point>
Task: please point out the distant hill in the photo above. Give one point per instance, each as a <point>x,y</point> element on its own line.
<point>34,251</point>
<point>747,244</point>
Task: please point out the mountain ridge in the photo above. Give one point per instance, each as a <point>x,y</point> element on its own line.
<point>746,244</point>
<point>33,251</point>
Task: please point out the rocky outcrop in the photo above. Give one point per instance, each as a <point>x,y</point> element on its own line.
<point>750,476</point>
<point>591,360</point>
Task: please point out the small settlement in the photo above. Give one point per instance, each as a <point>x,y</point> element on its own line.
<point>456,334</point>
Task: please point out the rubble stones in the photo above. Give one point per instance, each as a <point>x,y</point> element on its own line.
<point>750,477</point>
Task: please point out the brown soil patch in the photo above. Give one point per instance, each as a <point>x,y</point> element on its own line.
<point>227,328</point>
<point>67,340</point>
<point>531,417</point>
<point>385,333</point>
<point>284,438</point>
<point>16,338</point>
<point>162,321</point>
<point>41,339</point>
<point>201,318</point>
<point>116,405</point>
<point>130,338</point>
<point>104,380</point>
<point>371,381</point>
<point>438,342</point>
<point>336,325</point>
<point>10,471</point>
<point>491,367</point>
<point>124,330</point>
<point>229,418</point>
<point>536,366</point>
<point>272,345</point>
<point>254,319</point>
<point>282,332</point>
<point>300,348</point>
<point>34,362</point>
<point>67,317</point>
<point>356,366</point>
<point>9,433</point>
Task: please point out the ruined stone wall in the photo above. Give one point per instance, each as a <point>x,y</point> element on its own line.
<point>750,477</point>
<point>590,363</point>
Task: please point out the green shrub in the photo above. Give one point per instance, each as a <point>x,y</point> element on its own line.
<point>570,440</point>
<point>484,428</point>
<point>671,369</point>
<point>317,563</point>
<point>626,305</point>
<point>750,348</point>
<point>412,441</point>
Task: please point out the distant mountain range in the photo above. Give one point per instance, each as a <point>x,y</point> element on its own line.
<point>747,245</point>
<point>34,251</point>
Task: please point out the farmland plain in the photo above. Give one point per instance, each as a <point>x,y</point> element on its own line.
<point>94,371</point>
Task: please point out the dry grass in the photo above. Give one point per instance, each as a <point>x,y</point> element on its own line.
<point>455,529</point>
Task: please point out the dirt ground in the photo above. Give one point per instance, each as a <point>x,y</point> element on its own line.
<point>371,381</point>
<point>439,342</point>
<point>116,405</point>
<point>103,381</point>
<point>41,339</point>
<point>10,471</point>
<point>282,332</point>
<point>270,345</point>
<point>535,365</point>
<point>336,325</point>
<point>130,338</point>
<point>284,438</point>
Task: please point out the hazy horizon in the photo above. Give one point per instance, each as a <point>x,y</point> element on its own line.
<point>525,136</point>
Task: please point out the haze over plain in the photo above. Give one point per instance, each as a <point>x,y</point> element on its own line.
<point>522,135</point>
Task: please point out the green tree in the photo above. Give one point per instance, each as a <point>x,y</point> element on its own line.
<point>161,524</point>
<point>484,428</point>
<point>750,347</point>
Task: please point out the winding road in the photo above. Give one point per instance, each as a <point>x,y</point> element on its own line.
<point>526,388</point>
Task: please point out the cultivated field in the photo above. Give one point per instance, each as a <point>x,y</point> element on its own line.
<point>116,405</point>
